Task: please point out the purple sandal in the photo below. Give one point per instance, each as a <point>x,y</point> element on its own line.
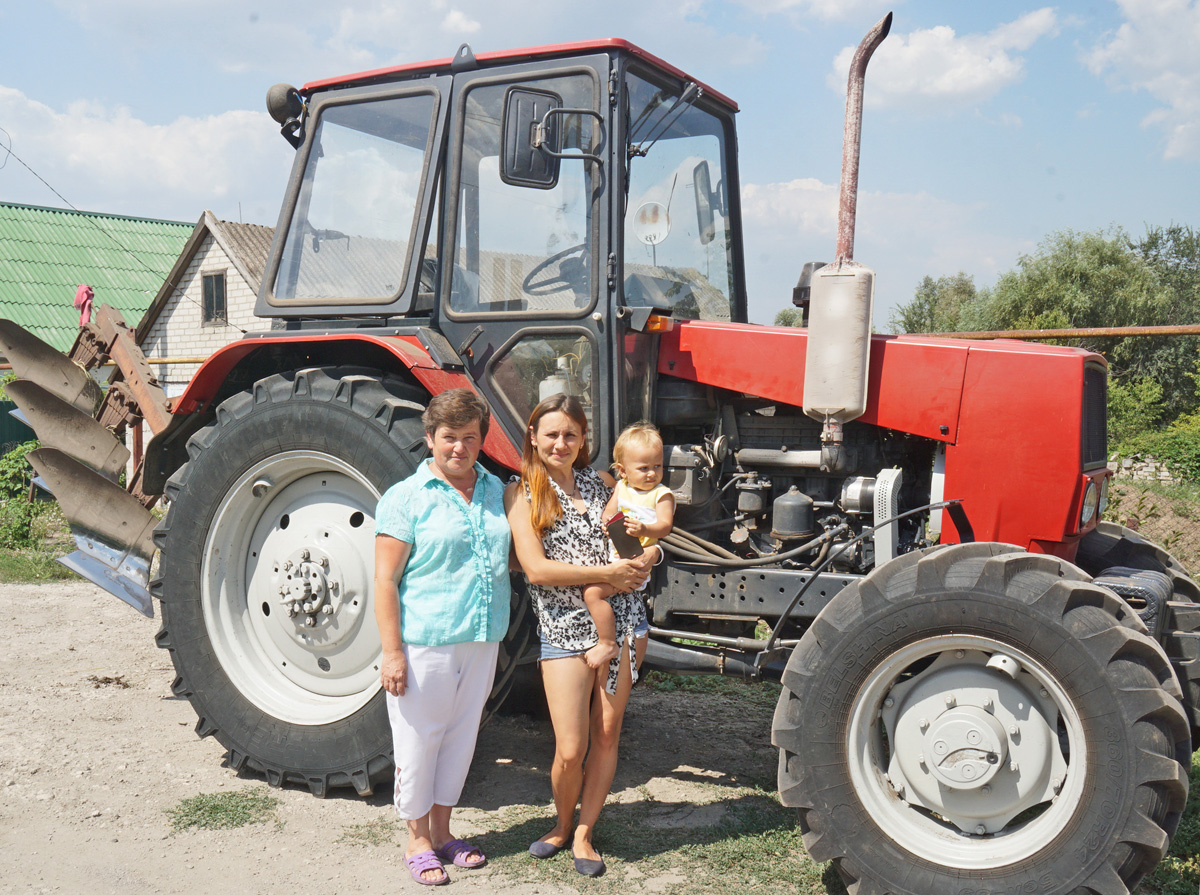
<point>457,851</point>
<point>425,861</point>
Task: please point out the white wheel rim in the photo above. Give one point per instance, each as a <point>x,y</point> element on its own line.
<point>316,513</point>
<point>917,829</point>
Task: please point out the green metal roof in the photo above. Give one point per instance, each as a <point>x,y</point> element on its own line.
<point>46,253</point>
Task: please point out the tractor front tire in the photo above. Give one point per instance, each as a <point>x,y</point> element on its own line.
<point>267,569</point>
<point>979,719</point>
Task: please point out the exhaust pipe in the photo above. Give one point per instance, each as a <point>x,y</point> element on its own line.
<point>842,296</point>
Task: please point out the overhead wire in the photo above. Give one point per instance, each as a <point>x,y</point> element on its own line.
<point>8,151</point>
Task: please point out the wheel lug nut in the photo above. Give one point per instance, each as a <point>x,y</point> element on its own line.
<point>309,621</point>
<point>1013,730</point>
<point>889,702</point>
<point>950,700</point>
<point>924,724</point>
<point>985,789</point>
<point>980,829</point>
<point>304,554</point>
<point>959,654</point>
<point>327,609</point>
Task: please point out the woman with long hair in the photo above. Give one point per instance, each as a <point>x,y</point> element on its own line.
<point>556,514</point>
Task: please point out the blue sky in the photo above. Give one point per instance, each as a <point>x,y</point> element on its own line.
<point>988,125</point>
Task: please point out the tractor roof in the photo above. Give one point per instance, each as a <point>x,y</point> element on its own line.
<point>550,51</point>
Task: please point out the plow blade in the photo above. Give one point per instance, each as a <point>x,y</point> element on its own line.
<point>33,359</point>
<point>65,427</point>
<point>112,530</point>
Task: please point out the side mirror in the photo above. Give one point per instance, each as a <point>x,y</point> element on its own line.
<point>706,222</point>
<point>528,130</point>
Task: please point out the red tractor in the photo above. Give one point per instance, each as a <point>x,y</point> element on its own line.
<point>985,687</point>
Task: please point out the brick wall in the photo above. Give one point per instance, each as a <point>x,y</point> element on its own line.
<point>180,330</point>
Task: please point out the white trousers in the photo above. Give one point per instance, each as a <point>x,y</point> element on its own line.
<point>436,722</point>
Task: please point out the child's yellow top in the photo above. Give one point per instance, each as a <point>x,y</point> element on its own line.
<point>640,505</point>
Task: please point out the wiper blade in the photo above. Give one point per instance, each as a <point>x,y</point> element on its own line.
<point>691,93</point>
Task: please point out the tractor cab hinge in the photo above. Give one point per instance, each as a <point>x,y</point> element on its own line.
<point>612,271</point>
<point>613,85</point>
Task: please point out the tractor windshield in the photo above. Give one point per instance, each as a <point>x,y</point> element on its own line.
<point>678,251</point>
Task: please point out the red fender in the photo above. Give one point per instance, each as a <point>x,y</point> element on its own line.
<point>407,349</point>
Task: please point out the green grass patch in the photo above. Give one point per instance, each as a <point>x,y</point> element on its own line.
<point>222,810</point>
<point>25,566</point>
<point>753,693</point>
<point>1179,873</point>
<point>744,841</point>
<point>376,833</point>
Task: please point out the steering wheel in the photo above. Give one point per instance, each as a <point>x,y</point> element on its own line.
<point>570,275</point>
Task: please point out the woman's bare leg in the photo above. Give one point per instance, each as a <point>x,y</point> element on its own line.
<point>607,716</point>
<point>568,684</point>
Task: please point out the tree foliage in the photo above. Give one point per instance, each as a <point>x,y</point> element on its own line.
<point>944,305</point>
<point>1086,280</point>
<point>790,317</point>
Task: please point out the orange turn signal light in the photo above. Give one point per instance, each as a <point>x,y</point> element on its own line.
<point>657,323</point>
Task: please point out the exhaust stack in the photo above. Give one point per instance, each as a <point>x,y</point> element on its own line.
<point>842,297</point>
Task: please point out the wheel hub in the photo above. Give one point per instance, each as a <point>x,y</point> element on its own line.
<point>306,588</point>
<point>964,747</point>
<point>973,738</point>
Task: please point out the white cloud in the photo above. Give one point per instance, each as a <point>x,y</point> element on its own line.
<point>458,22</point>
<point>933,68</point>
<point>108,160</point>
<point>789,223</point>
<point>1155,50</point>
<point>312,39</point>
<point>825,10</point>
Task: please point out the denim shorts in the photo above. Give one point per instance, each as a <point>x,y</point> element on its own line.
<point>549,651</point>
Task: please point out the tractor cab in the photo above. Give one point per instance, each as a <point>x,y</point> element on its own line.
<point>531,206</point>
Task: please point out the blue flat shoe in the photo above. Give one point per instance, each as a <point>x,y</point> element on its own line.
<point>540,849</point>
<point>588,866</point>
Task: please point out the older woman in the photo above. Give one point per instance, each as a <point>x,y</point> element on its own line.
<point>556,515</point>
<point>441,602</point>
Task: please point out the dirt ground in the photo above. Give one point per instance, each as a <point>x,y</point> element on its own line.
<point>94,749</point>
<point>1173,523</point>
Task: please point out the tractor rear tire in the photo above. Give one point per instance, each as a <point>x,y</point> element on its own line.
<point>277,499</point>
<point>975,718</point>
<point>1110,544</point>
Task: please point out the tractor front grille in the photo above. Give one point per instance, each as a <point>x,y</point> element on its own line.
<point>1094,446</point>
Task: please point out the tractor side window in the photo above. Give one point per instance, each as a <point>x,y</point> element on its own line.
<point>544,364</point>
<point>678,253</point>
<point>356,214</point>
<point>518,248</point>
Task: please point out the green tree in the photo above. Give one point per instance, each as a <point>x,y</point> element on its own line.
<point>947,304</point>
<point>790,317</point>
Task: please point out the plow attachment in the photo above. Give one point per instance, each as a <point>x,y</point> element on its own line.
<point>112,529</point>
<point>80,427</point>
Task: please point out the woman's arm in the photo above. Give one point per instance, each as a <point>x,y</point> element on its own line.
<point>624,574</point>
<point>391,556</point>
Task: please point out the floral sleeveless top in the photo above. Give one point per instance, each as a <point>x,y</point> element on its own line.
<point>579,539</point>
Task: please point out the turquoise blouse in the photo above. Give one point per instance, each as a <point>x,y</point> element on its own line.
<point>455,587</point>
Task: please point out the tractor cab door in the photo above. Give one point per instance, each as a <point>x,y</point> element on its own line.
<point>524,284</point>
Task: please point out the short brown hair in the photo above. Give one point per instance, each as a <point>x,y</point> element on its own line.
<point>454,409</point>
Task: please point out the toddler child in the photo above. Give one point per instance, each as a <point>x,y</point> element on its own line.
<point>649,510</point>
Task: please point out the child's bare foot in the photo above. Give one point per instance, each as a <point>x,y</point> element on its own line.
<point>601,654</point>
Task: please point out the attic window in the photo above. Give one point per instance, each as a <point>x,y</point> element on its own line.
<point>214,298</point>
